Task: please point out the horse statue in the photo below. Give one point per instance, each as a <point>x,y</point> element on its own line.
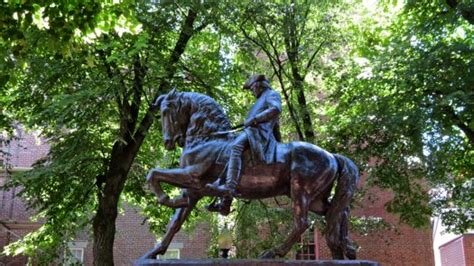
<point>304,172</point>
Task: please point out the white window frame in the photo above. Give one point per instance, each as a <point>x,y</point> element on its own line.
<point>164,257</point>
<point>78,246</point>
<point>81,259</point>
<point>174,246</point>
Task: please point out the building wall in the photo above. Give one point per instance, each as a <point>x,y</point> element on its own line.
<point>397,245</point>
<point>14,216</point>
<point>459,251</point>
<point>452,253</point>
<point>441,238</point>
<point>469,248</point>
<point>132,238</point>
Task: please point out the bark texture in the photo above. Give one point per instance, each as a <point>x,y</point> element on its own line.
<point>124,152</point>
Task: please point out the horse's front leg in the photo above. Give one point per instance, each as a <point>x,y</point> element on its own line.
<point>187,177</point>
<point>174,226</point>
<point>163,199</point>
<point>176,202</point>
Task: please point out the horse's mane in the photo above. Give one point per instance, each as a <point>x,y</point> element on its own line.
<point>206,117</point>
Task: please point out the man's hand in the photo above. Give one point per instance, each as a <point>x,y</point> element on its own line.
<point>251,122</point>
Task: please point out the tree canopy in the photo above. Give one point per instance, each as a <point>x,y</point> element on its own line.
<point>390,83</point>
<point>406,99</point>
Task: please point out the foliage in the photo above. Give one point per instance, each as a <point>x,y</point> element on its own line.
<point>260,226</point>
<point>390,86</point>
<point>285,40</point>
<point>86,85</point>
<point>405,103</point>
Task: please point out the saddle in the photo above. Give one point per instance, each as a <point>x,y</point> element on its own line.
<point>247,158</point>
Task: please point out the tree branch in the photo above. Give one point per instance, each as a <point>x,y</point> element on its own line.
<point>139,74</point>
<point>310,61</point>
<point>457,121</point>
<point>261,45</point>
<point>272,45</point>
<point>466,12</point>
<point>277,67</point>
<point>449,111</point>
<point>122,103</point>
<point>199,80</point>
<point>185,35</point>
<point>305,17</point>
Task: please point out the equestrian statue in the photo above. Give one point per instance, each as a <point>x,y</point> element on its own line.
<point>251,165</point>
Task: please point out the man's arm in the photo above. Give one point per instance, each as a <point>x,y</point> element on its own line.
<point>273,111</point>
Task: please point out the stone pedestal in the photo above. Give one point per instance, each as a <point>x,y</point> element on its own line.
<point>255,262</point>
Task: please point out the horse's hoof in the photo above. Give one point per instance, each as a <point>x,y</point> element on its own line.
<point>150,255</point>
<point>153,253</point>
<point>351,253</point>
<point>267,254</point>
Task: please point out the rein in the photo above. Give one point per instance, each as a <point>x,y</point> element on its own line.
<point>234,129</point>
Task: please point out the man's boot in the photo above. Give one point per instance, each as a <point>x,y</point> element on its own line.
<point>229,188</point>
<point>233,170</point>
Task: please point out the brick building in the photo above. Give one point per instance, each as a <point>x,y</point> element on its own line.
<point>452,249</point>
<point>14,217</point>
<point>459,251</point>
<point>398,245</point>
<point>132,238</point>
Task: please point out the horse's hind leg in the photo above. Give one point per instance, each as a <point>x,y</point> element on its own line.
<point>333,234</point>
<point>174,226</point>
<point>349,249</point>
<point>300,221</point>
<point>337,217</point>
<point>337,223</point>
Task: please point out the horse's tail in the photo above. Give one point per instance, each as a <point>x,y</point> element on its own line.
<point>348,174</point>
<point>337,216</point>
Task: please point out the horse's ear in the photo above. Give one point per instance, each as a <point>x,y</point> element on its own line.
<point>260,78</point>
<point>158,101</point>
<point>172,94</point>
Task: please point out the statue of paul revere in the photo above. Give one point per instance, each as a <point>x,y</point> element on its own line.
<point>255,165</point>
<point>260,135</point>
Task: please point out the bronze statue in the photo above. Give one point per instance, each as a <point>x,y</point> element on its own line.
<point>260,134</point>
<point>299,170</point>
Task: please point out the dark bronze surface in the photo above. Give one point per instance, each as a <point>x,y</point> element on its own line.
<point>302,171</point>
<point>256,262</point>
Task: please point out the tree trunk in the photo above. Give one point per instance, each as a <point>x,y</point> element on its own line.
<point>307,123</point>
<point>292,45</point>
<point>104,231</point>
<point>104,220</point>
<point>122,156</point>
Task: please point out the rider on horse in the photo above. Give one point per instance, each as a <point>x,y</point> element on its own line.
<point>260,135</point>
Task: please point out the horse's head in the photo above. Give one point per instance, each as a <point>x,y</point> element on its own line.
<point>173,120</point>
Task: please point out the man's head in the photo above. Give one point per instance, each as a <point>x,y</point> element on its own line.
<point>257,84</point>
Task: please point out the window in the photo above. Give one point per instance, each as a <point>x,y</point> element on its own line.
<point>172,253</point>
<point>77,255</point>
<point>309,246</point>
<point>76,252</point>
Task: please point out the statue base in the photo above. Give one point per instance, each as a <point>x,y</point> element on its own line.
<point>254,262</point>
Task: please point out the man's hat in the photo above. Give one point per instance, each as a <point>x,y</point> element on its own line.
<point>253,79</point>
